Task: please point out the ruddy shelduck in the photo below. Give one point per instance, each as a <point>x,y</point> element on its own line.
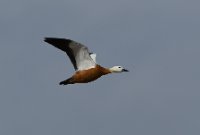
<point>84,62</point>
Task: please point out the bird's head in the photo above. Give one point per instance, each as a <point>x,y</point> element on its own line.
<point>118,69</point>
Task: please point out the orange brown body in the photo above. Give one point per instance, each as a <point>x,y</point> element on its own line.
<point>86,76</point>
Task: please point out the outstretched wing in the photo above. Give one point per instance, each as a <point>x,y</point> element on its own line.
<point>78,53</point>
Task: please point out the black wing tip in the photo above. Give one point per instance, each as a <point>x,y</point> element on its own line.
<point>49,39</point>
<point>57,40</point>
<point>46,39</point>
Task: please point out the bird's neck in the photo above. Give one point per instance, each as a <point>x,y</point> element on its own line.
<point>103,70</point>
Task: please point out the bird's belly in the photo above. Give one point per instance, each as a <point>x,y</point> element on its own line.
<point>86,76</point>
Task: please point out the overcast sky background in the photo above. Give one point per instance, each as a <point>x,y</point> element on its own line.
<point>157,40</point>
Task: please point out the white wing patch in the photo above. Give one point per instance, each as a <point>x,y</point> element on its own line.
<point>93,56</point>
<point>84,60</point>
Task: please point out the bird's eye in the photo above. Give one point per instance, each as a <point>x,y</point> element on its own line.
<point>119,67</point>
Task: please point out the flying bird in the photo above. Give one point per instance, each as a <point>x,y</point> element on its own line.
<point>84,62</point>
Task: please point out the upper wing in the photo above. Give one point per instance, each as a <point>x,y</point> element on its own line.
<point>78,53</point>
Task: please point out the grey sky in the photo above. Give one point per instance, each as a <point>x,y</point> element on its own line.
<point>158,41</point>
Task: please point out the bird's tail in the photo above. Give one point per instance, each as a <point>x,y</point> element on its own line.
<point>67,81</point>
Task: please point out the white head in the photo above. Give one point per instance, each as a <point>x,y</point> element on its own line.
<point>118,69</point>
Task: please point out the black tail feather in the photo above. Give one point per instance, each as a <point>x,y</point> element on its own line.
<point>65,82</point>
